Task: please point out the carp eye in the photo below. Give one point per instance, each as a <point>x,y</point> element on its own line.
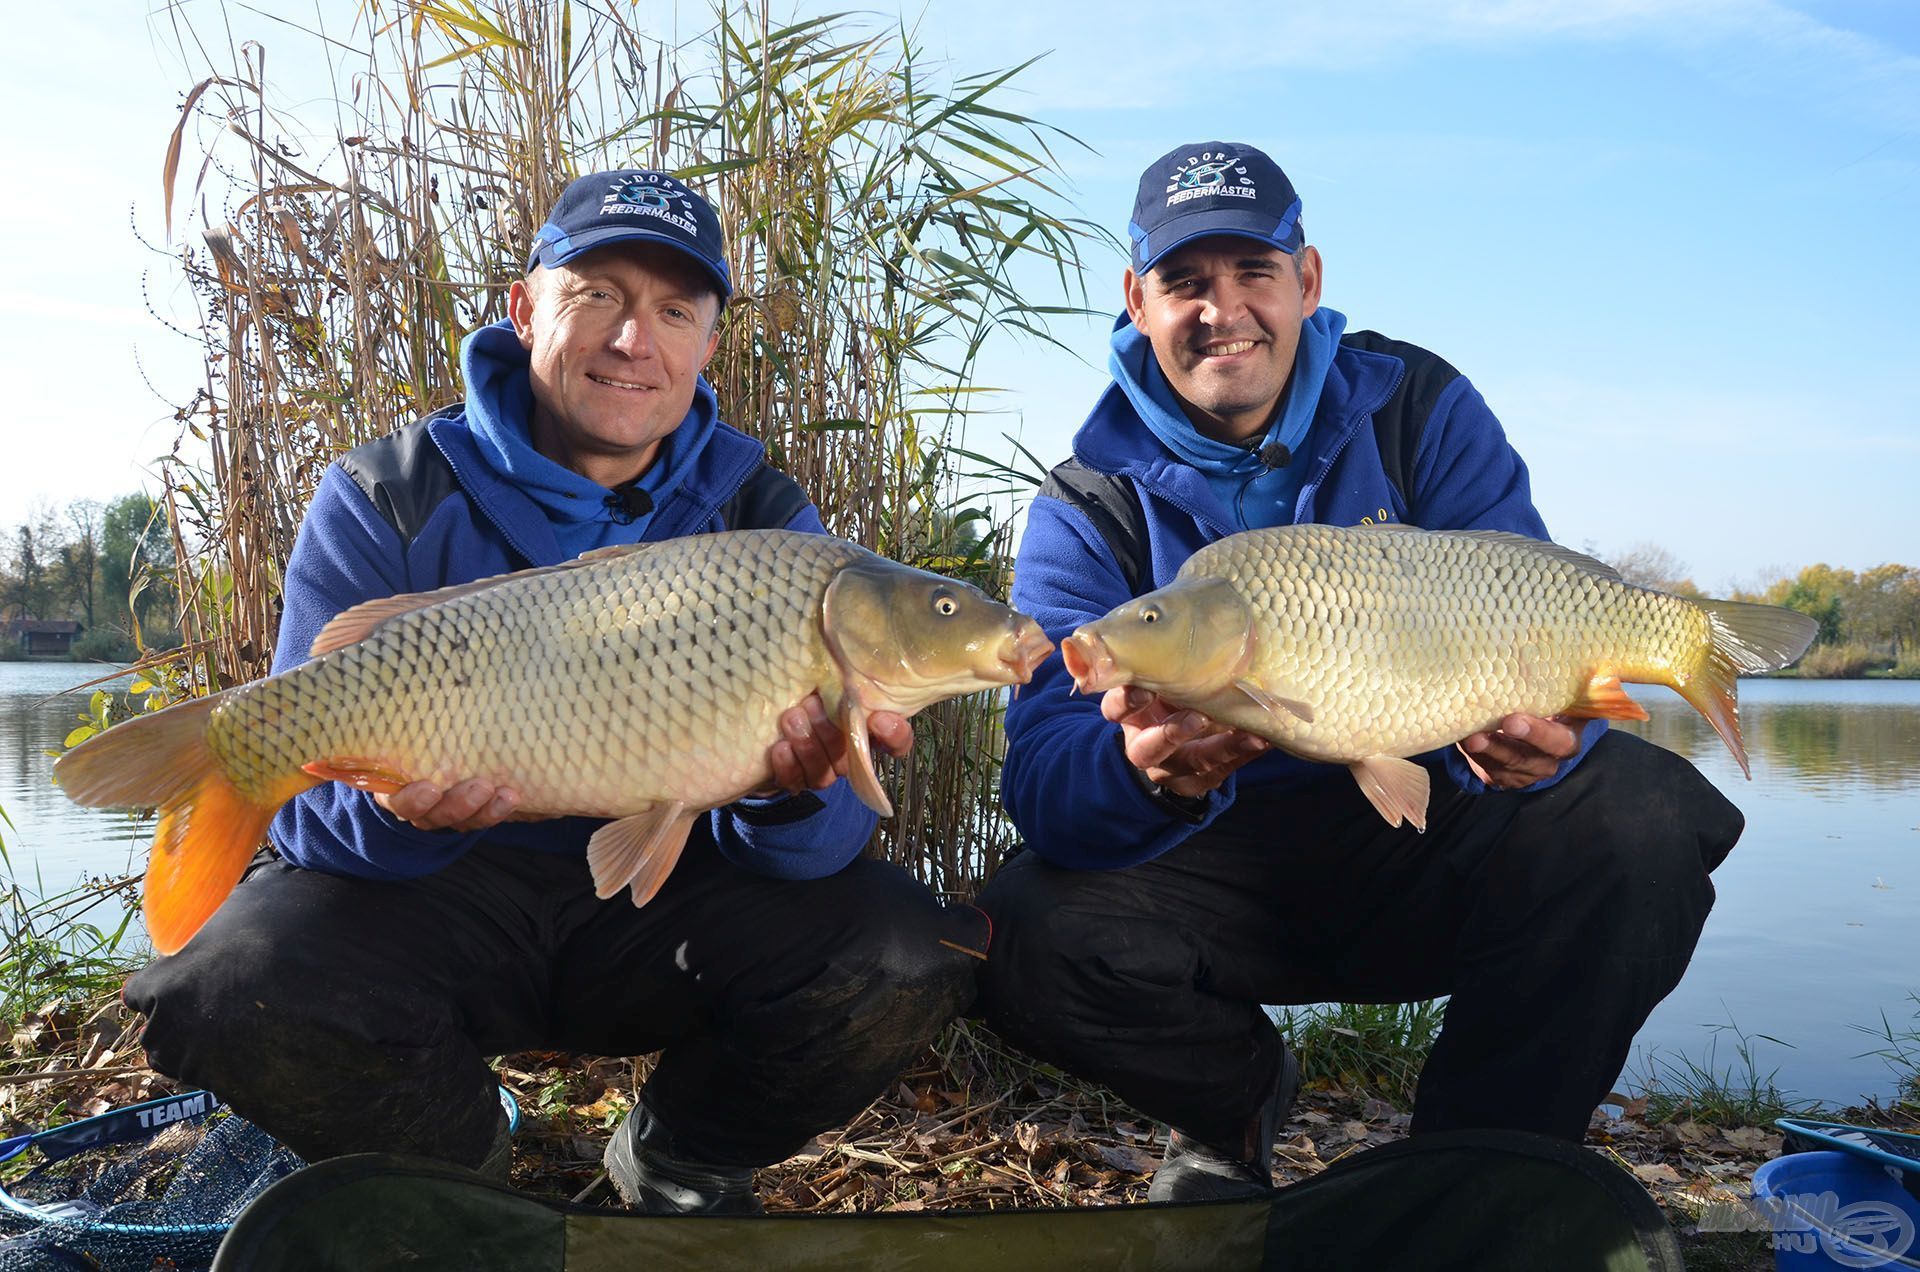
<point>944,604</point>
<point>1150,614</point>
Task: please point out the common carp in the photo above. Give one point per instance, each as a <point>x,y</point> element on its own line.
<point>1360,646</point>
<point>640,683</point>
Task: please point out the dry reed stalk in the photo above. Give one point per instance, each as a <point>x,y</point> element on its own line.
<point>877,222</point>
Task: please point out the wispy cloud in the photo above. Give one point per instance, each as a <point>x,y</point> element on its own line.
<point>1133,55</point>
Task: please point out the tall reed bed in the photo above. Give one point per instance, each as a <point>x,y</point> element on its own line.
<point>877,214</point>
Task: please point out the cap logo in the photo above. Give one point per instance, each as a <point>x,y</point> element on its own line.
<point>1209,172</point>
<point>651,194</point>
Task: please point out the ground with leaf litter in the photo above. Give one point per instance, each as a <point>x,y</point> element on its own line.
<point>971,1124</point>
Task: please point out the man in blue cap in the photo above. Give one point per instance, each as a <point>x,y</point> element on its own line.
<point>347,996</point>
<point>1179,873</point>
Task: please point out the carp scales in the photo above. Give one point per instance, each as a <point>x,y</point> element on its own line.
<point>1361,646</point>
<point>642,684</point>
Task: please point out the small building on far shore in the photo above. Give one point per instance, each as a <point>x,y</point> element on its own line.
<point>43,636</point>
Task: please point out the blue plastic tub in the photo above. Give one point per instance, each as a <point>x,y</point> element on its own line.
<point>1830,1210</point>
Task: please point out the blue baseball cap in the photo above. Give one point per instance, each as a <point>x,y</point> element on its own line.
<point>632,205</point>
<point>1212,187</point>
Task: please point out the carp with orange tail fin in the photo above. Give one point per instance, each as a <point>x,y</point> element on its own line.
<point>642,684</point>
<point>1364,645</point>
<point>209,826</point>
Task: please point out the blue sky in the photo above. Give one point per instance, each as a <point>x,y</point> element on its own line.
<point>1673,243</point>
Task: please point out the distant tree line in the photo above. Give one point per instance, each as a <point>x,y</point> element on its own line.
<point>108,567</point>
<point>1869,621</point>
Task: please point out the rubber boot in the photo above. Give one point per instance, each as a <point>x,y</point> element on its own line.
<point>1192,1171</point>
<point>653,1181</point>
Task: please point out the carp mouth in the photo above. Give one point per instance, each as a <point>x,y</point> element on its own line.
<point>1089,662</point>
<point>1029,648</point>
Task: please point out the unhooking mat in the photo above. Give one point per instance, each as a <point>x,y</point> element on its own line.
<point>1486,1200</point>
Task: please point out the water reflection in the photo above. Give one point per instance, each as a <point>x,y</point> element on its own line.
<point>53,842</point>
<point>1830,738</point>
<point>1813,934</point>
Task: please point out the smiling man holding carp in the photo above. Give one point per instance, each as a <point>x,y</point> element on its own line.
<point>1180,871</point>
<point>430,906</point>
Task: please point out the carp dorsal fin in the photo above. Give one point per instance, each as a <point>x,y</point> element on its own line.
<point>602,554</point>
<point>1544,547</point>
<point>354,625</point>
<point>350,627</point>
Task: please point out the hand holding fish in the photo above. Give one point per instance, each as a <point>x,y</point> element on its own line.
<point>1185,753</point>
<point>1524,749</point>
<point>475,804</point>
<point>812,751</point>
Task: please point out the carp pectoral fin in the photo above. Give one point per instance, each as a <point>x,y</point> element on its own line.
<point>362,775</point>
<point>1274,705</point>
<point>1396,788</point>
<point>640,851</point>
<point>860,770</point>
<point>1605,699</point>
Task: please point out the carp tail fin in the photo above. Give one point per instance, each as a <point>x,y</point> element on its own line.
<point>1746,638</point>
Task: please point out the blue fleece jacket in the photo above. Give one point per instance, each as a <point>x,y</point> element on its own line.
<point>1066,781</point>
<point>347,552</point>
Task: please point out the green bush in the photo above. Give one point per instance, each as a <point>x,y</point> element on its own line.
<point>104,644</point>
<point>1366,1048</point>
<point>1839,662</point>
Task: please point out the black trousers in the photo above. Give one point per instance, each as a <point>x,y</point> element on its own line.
<point>344,1015</point>
<point>1555,920</point>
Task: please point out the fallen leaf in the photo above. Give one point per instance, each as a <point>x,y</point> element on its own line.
<point>1355,1130</point>
<point>1750,1139</point>
<point>1377,1110</point>
<point>1656,1173</point>
<point>1128,1158</point>
<point>1633,1108</point>
<point>1027,1136</point>
<point>1688,1133</point>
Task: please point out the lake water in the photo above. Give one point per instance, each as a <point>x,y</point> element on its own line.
<point>1816,931</point>
<point>51,835</point>
<point>1817,927</point>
